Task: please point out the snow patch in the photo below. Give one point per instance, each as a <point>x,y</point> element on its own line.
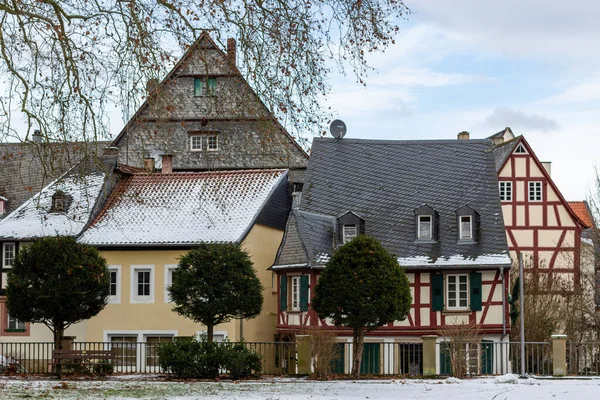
<point>457,259</point>
<point>508,378</point>
<point>452,380</point>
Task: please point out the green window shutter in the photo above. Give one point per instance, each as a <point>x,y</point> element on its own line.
<point>212,86</point>
<point>475,291</point>
<point>197,87</point>
<point>283,293</point>
<point>437,292</point>
<point>304,293</point>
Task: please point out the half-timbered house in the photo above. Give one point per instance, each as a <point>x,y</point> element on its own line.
<point>434,204</point>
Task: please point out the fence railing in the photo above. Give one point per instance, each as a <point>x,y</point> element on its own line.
<point>379,358</point>
<point>583,358</point>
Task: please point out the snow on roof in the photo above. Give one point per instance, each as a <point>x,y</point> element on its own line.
<point>183,208</point>
<point>458,260</point>
<point>35,218</point>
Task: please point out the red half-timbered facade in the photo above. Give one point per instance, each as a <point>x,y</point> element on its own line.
<point>539,223</point>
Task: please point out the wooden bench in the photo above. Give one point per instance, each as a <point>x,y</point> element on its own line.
<point>82,357</point>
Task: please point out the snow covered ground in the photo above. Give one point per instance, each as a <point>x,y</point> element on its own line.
<point>504,387</point>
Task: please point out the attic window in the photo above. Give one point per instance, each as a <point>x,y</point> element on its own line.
<point>424,228</point>
<point>196,143</point>
<point>212,143</point>
<point>205,87</point>
<point>2,206</point>
<point>58,201</point>
<point>349,232</point>
<point>466,227</point>
<point>520,149</point>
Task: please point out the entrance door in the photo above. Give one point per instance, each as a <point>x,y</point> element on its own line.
<point>487,357</point>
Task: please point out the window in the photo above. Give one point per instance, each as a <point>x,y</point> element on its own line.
<point>152,343</point>
<point>142,284</point>
<point>169,268</point>
<point>198,87</point>
<point>8,255</point>
<point>424,228</point>
<point>212,86</point>
<point>115,283</point>
<point>535,191</point>
<point>349,232</point>
<point>212,143</point>
<point>59,204</point>
<point>457,289</point>
<point>520,149</point>
<point>295,293</point>
<point>125,348</point>
<point>14,325</point>
<point>196,143</point>
<point>2,207</point>
<point>505,191</point>
<point>466,227</point>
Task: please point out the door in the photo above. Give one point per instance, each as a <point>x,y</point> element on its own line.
<point>370,359</point>
<point>487,357</point>
<point>338,361</point>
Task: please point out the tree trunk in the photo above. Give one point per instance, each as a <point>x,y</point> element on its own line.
<point>59,334</point>
<point>210,328</point>
<point>358,340</point>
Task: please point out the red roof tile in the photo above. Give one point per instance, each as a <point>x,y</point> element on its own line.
<point>581,209</point>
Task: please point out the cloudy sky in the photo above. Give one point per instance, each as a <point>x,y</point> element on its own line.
<point>480,66</point>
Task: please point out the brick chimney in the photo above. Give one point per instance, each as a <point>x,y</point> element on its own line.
<point>464,135</point>
<point>231,50</point>
<point>37,136</point>
<point>167,164</point>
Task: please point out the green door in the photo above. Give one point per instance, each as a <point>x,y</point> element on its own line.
<point>487,357</point>
<point>338,361</point>
<point>370,359</point>
<point>445,366</point>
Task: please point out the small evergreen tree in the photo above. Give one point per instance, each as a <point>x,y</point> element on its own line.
<point>362,287</point>
<point>57,282</point>
<point>214,283</point>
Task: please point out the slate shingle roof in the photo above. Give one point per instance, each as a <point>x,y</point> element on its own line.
<point>183,208</point>
<point>26,168</point>
<point>85,185</point>
<point>503,151</point>
<point>385,181</point>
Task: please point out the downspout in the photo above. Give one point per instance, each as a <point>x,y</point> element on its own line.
<point>503,320</point>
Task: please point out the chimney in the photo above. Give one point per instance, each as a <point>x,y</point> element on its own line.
<point>498,140</point>
<point>548,167</point>
<point>37,136</point>
<point>296,196</point>
<point>464,135</point>
<point>167,163</point>
<point>231,50</point>
<point>149,164</point>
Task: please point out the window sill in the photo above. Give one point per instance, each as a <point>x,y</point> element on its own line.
<point>15,330</point>
<point>425,241</point>
<point>294,311</point>
<point>456,312</point>
<point>466,242</point>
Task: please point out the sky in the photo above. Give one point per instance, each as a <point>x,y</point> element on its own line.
<point>481,66</point>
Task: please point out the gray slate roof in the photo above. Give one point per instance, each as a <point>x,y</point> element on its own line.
<point>384,182</point>
<point>503,151</point>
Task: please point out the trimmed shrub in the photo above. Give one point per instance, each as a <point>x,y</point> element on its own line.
<point>190,358</point>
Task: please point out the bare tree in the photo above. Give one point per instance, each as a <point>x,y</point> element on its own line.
<point>65,64</point>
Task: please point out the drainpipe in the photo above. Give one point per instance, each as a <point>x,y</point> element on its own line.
<point>503,318</point>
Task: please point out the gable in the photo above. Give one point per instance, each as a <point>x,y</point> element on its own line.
<point>249,136</point>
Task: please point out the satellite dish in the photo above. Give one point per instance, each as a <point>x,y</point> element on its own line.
<point>338,129</point>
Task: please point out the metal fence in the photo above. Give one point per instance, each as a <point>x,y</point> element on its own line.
<point>379,358</point>
<point>583,358</point>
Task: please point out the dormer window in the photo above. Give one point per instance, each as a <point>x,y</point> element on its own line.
<point>424,229</point>
<point>349,233</point>
<point>212,143</point>
<point>426,224</point>
<point>2,205</point>
<point>350,225</point>
<point>520,149</point>
<point>59,201</point>
<point>466,227</point>
<point>467,224</point>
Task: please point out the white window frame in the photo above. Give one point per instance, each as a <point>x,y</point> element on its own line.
<point>505,190</point>
<point>17,329</point>
<point>140,337</point>
<point>519,148</point>
<point>460,230</point>
<point>168,280</point>
<point>208,145</point>
<point>133,290</point>
<point>116,299</point>
<point>457,307</point>
<point>535,185</point>
<point>348,237</point>
<point>222,334</point>
<point>14,254</point>
<point>192,137</point>
<point>419,236</point>
<point>295,291</point>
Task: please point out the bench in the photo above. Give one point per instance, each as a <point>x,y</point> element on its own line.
<point>82,358</point>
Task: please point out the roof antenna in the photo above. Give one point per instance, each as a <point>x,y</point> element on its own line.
<point>338,129</point>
